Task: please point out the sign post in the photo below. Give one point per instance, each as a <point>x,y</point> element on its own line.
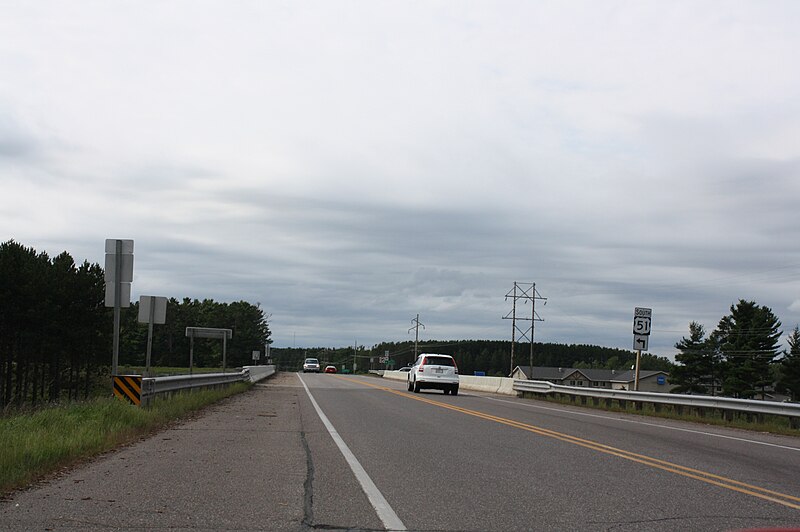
<point>118,278</point>
<point>152,309</point>
<point>641,335</point>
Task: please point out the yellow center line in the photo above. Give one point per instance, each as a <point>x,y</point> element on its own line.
<point>703,476</point>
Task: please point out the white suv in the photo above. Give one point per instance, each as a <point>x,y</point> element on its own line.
<point>432,370</point>
<point>311,364</point>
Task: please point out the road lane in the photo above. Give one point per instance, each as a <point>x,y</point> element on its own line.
<point>443,468</point>
<point>379,503</point>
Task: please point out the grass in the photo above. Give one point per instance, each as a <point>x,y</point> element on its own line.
<point>38,444</point>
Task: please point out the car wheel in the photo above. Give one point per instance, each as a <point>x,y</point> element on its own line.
<point>416,387</point>
<point>409,386</point>
<point>446,391</point>
<point>454,390</point>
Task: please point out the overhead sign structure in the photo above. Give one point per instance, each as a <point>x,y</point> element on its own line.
<point>208,332</point>
<point>118,277</point>
<point>152,309</point>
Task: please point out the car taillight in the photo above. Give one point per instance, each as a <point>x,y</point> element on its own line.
<point>421,369</point>
<point>455,367</point>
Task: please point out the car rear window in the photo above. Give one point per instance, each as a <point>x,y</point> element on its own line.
<point>438,361</point>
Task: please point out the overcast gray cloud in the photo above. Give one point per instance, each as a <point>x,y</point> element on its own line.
<point>351,164</point>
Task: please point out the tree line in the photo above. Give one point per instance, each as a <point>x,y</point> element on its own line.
<point>740,358</point>
<point>56,333</point>
<point>493,357</point>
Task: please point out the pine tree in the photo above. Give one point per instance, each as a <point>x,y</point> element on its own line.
<point>698,359</point>
<point>790,366</point>
<point>748,340</point>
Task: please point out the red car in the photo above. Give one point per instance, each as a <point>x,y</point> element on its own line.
<point>330,369</point>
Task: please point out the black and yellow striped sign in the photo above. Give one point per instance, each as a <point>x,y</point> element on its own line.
<point>128,387</point>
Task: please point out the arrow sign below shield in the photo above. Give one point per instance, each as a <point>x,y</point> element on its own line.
<point>640,342</point>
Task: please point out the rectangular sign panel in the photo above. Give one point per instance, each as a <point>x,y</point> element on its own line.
<point>126,272</point>
<point>159,305</point>
<point>111,246</point>
<point>208,332</point>
<point>640,342</point>
<point>641,321</point>
<point>124,295</point>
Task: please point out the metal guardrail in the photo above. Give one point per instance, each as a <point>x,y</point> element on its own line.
<point>749,406</point>
<point>153,386</point>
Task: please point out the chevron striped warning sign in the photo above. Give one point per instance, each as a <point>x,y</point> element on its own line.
<point>128,387</point>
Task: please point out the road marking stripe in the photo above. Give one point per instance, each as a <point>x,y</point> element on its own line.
<point>709,478</point>
<point>385,512</point>
<point>639,422</point>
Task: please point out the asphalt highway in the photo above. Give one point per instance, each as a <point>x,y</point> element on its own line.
<point>337,452</point>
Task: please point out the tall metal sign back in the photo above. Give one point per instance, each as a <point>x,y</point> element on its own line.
<point>118,277</point>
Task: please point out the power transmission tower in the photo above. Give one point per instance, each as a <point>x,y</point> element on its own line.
<point>416,327</point>
<point>526,292</point>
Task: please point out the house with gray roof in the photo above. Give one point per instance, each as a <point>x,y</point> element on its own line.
<point>651,381</point>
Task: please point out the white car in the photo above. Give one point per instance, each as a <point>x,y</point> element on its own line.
<point>433,370</point>
<point>311,364</point>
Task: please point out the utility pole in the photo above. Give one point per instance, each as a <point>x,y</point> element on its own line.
<point>526,292</point>
<point>416,327</point>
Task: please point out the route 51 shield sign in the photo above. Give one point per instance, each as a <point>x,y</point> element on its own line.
<point>641,321</point>
<point>641,328</point>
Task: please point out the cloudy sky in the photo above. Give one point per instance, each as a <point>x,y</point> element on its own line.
<point>349,164</point>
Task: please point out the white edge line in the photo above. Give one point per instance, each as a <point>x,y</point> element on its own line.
<point>745,440</point>
<point>385,512</point>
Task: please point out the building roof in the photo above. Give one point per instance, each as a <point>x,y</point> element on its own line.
<point>595,375</point>
<point>630,376</point>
